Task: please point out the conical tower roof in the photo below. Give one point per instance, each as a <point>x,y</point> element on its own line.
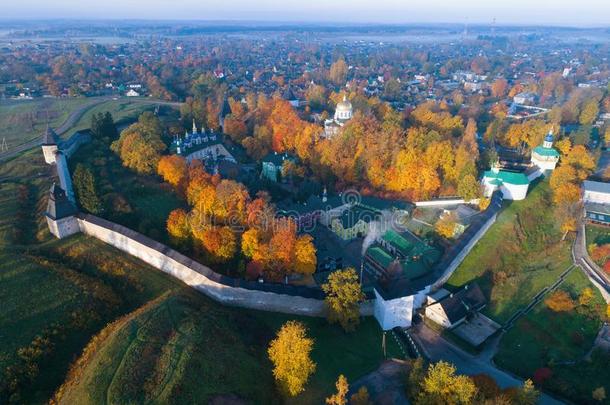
<point>59,206</point>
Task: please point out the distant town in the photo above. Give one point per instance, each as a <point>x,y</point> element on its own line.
<point>258,213</point>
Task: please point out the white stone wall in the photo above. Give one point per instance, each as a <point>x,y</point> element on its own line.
<point>399,311</point>
<point>63,227</point>
<point>49,153</point>
<point>514,191</point>
<point>436,313</point>
<point>235,296</point>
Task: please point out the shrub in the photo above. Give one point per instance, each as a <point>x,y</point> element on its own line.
<point>560,301</point>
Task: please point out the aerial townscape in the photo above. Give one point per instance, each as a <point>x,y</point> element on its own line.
<point>345,204</point>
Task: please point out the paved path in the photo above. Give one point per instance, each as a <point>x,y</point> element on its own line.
<point>437,348</point>
<point>63,128</point>
<point>581,258</point>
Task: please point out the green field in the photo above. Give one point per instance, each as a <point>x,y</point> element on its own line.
<point>183,348</point>
<point>122,110</point>
<point>21,121</point>
<point>559,341</point>
<point>186,349</point>
<point>520,255</point>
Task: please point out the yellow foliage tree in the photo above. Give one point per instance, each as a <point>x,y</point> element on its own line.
<point>343,296</point>
<point>305,255</point>
<point>361,397</point>
<point>340,397</point>
<point>173,169</point>
<point>290,353</point>
<point>442,386</point>
<point>445,227</point>
<point>560,301</point>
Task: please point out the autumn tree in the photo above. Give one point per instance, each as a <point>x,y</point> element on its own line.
<point>343,296</point>
<point>442,386</point>
<point>361,397</point>
<point>469,188</point>
<point>236,128</point>
<point>290,353</point>
<point>446,226</point>
<point>527,394</point>
<point>586,296</point>
<point>305,255</point>
<point>86,189</point>
<point>599,394</point>
<point>340,397</point>
<point>338,72</point>
<point>173,169</point>
<point>589,112</point>
<point>178,225</point>
<point>140,144</point>
<point>219,242</point>
<point>560,301</point>
<point>415,378</point>
<point>499,87</point>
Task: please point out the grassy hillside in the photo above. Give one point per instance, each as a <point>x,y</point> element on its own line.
<point>520,254</point>
<point>180,347</point>
<point>560,342</point>
<point>184,348</point>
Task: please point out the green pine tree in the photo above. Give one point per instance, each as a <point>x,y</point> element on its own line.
<point>84,185</point>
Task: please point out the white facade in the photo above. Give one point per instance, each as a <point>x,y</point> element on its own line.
<point>49,153</point>
<point>343,113</point>
<point>63,227</point>
<point>543,163</point>
<point>596,192</point>
<point>398,311</point>
<point>509,191</point>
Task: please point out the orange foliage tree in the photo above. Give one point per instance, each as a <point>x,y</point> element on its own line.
<point>173,169</point>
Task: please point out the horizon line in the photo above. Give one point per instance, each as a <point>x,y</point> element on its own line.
<point>280,22</point>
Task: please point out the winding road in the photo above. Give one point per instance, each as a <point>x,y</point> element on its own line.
<point>73,118</point>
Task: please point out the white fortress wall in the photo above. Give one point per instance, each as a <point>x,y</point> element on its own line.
<point>165,259</point>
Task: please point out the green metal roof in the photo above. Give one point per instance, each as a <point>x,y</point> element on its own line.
<point>398,241</point>
<point>507,177</point>
<point>380,256</point>
<point>542,151</point>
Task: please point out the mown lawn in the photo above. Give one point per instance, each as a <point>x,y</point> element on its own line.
<point>559,341</point>
<point>520,255</point>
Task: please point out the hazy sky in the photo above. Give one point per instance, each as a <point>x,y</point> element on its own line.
<point>563,12</point>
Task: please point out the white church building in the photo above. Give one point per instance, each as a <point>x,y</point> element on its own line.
<point>343,113</point>
<point>514,185</point>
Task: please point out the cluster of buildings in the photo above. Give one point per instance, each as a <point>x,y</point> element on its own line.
<point>515,184</point>
<point>596,199</point>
